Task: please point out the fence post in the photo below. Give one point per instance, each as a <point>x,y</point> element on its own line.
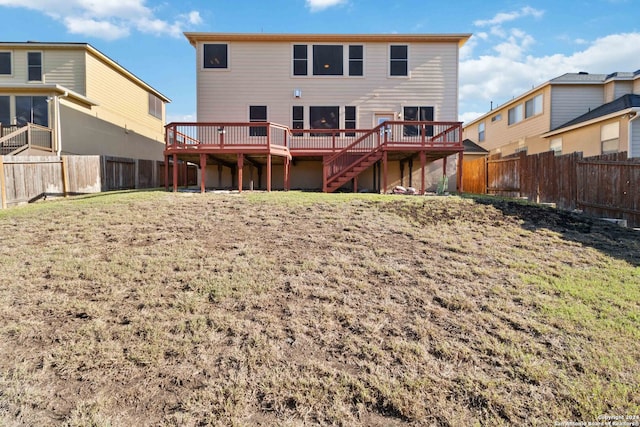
<point>65,176</point>
<point>3,189</point>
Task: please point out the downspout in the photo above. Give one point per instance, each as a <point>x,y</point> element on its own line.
<point>636,112</point>
<point>58,130</point>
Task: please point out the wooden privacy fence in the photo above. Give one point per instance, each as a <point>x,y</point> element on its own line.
<point>25,179</point>
<point>604,186</point>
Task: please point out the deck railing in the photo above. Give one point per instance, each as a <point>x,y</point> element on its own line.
<point>230,135</point>
<point>318,140</point>
<point>25,137</point>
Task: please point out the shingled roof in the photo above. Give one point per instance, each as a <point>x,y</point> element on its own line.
<point>472,147</point>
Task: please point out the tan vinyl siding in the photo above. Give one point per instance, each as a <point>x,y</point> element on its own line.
<point>66,68</point>
<point>122,101</point>
<point>587,139</point>
<point>636,85</point>
<point>571,101</point>
<point>261,74</point>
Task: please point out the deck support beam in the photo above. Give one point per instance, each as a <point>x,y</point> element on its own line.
<point>287,171</point>
<point>385,170</point>
<point>166,173</point>
<point>269,172</point>
<point>203,172</point>
<point>423,162</point>
<point>459,186</point>
<point>401,173</point>
<point>411,172</point>
<point>240,166</point>
<point>175,173</point>
<point>355,184</point>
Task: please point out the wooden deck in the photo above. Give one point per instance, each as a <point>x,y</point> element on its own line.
<point>345,153</point>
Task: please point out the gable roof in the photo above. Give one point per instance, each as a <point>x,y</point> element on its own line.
<point>472,147</point>
<point>621,104</point>
<point>460,39</point>
<point>93,51</point>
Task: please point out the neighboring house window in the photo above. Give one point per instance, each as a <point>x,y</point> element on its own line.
<point>300,60</point>
<point>324,118</point>
<point>497,117</point>
<point>481,132</point>
<point>5,63</point>
<point>216,56</point>
<point>610,137</point>
<point>555,145</point>
<point>356,60</point>
<point>34,66</point>
<point>5,112</point>
<point>155,106</point>
<point>258,113</point>
<point>399,60</point>
<point>521,150</point>
<point>298,119</point>
<point>515,114</point>
<point>533,106</point>
<point>32,109</point>
<point>414,114</point>
<point>350,120</point>
<point>327,60</point>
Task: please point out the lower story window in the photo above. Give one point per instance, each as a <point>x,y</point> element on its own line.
<point>555,145</point>
<point>5,112</point>
<point>297,120</point>
<point>32,109</point>
<point>349,120</point>
<point>418,114</point>
<point>258,113</point>
<point>324,118</point>
<point>610,137</point>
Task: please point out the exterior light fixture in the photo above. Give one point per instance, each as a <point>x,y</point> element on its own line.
<point>297,93</point>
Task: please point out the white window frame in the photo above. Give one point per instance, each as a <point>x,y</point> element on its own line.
<point>537,103</point>
<point>408,75</point>
<point>609,136</point>
<point>216,70</point>
<point>482,129</point>
<point>41,66</point>
<point>11,59</point>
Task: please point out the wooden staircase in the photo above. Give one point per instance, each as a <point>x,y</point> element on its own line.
<point>352,160</point>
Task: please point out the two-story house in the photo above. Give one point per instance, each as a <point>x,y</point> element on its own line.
<point>576,112</point>
<point>91,104</point>
<point>308,109</point>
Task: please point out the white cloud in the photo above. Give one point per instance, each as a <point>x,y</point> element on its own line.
<point>108,19</point>
<point>318,5</point>
<point>499,77</point>
<point>503,17</point>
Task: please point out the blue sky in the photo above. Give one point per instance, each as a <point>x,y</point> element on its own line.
<point>515,46</point>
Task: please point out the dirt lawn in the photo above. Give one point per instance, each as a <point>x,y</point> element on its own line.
<point>153,308</point>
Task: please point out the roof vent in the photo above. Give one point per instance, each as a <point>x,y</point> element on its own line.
<point>583,73</point>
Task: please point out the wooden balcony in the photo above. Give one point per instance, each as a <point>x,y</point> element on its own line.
<point>345,153</point>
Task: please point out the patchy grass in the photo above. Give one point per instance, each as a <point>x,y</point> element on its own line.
<point>152,308</point>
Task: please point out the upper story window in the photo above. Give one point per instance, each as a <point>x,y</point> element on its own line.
<point>356,60</point>
<point>300,59</point>
<point>216,56</point>
<point>5,63</point>
<point>481,132</point>
<point>533,106</point>
<point>155,106</point>
<point>497,117</point>
<point>515,114</point>
<point>327,60</point>
<point>399,60</point>
<point>34,66</point>
<point>418,114</point>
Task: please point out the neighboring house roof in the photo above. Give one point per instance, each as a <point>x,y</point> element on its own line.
<point>616,107</point>
<point>471,147</point>
<point>86,46</point>
<point>385,38</point>
<point>581,78</point>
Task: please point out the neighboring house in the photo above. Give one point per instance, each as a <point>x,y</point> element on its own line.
<point>310,98</point>
<point>591,113</point>
<point>92,105</point>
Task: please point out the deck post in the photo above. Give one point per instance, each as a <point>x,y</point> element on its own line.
<point>175,173</point>
<point>444,166</point>
<point>203,172</point>
<point>287,171</point>
<point>459,184</point>
<point>401,173</point>
<point>411,172</point>
<point>423,162</point>
<point>385,170</point>
<point>269,172</point>
<point>166,173</point>
<point>240,165</point>
<point>355,184</point>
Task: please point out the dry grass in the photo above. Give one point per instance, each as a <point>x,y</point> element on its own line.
<point>302,309</point>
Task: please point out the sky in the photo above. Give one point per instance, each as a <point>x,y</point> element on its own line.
<point>515,46</point>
